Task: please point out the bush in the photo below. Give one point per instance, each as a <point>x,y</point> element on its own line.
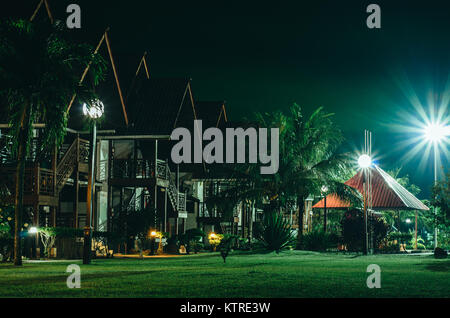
<point>214,240</point>
<point>226,244</point>
<point>275,233</point>
<point>191,240</point>
<point>319,240</point>
<point>243,244</point>
<point>352,225</point>
<point>389,247</point>
<point>420,243</point>
<point>402,238</point>
<point>6,232</point>
<point>440,253</point>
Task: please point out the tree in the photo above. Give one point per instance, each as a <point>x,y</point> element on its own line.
<point>39,74</point>
<point>48,237</point>
<point>308,159</point>
<point>441,201</point>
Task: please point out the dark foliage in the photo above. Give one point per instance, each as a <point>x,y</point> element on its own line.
<point>191,240</point>
<point>440,253</point>
<point>352,225</point>
<point>319,240</point>
<point>275,232</point>
<point>226,244</point>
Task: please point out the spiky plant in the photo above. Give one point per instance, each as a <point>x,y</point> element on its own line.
<point>275,233</point>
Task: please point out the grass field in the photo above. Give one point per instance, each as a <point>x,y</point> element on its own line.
<point>289,274</point>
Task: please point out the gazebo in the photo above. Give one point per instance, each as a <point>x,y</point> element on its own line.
<point>387,194</point>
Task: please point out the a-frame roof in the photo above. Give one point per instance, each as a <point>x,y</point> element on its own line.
<point>212,113</point>
<point>387,193</point>
<point>158,105</point>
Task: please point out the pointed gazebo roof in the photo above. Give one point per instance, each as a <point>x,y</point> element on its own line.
<point>387,193</point>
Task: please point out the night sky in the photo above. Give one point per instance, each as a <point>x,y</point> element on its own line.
<point>262,56</point>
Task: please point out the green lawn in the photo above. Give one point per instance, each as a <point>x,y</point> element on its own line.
<point>289,274</point>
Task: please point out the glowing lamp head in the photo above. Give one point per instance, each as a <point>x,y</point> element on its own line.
<point>436,132</point>
<point>153,233</point>
<point>212,235</point>
<point>408,221</point>
<point>324,189</point>
<point>364,161</point>
<point>33,230</point>
<point>95,110</point>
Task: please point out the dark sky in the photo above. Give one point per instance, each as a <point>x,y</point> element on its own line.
<point>262,56</point>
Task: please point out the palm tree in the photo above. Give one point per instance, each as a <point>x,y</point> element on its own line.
<point>309,158</point>
<point>314,160</point>
<point>39,73</point>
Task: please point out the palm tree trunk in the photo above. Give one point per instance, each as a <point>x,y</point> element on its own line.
<point>20,176</point>
<point>301,206</point>
<point>250,224</point>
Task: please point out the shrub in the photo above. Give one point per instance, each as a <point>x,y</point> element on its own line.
<point>352,225</point>
<point>48,236</point>
<point>420,243</point>
<point>319,240</point>
<point>243,244</point>
<point>389,247</point>
<point>226,244</point>
<point>101,240</point>
<point>191,239</point>
<point>440,253</point>
<point>275,232</point>
<point>400,237</point>
<point>6,232</point>
<point>214,240</point>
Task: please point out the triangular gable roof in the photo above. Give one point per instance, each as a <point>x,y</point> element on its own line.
<point>387,193</point>
<point>158,105</point>
<point>212,113</point>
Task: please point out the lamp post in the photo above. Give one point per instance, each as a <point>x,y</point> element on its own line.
<point>153,235</point>
<point>324,191</point>
<point>415,230</point>
<point>364,161</point>
<point>435,133</point>
<point>95,111</point>
<point>34,232</point>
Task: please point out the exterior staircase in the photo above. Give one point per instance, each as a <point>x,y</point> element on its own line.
<point>77,153</point>
<point>176,198</point>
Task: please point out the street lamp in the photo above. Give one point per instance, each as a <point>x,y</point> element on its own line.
<point>435,133</point>
<point>324,191</point>
<point>33,230</point>
<point>364,161</point>
<point>94,110</point>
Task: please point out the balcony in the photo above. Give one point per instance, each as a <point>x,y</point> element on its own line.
<point>39,184</point>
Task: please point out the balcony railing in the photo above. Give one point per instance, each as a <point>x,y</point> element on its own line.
<point>131,169</point>
<point>37,180</point>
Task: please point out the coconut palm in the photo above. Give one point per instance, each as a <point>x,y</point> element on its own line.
<point>308,159</point>
<point>39,73</point>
